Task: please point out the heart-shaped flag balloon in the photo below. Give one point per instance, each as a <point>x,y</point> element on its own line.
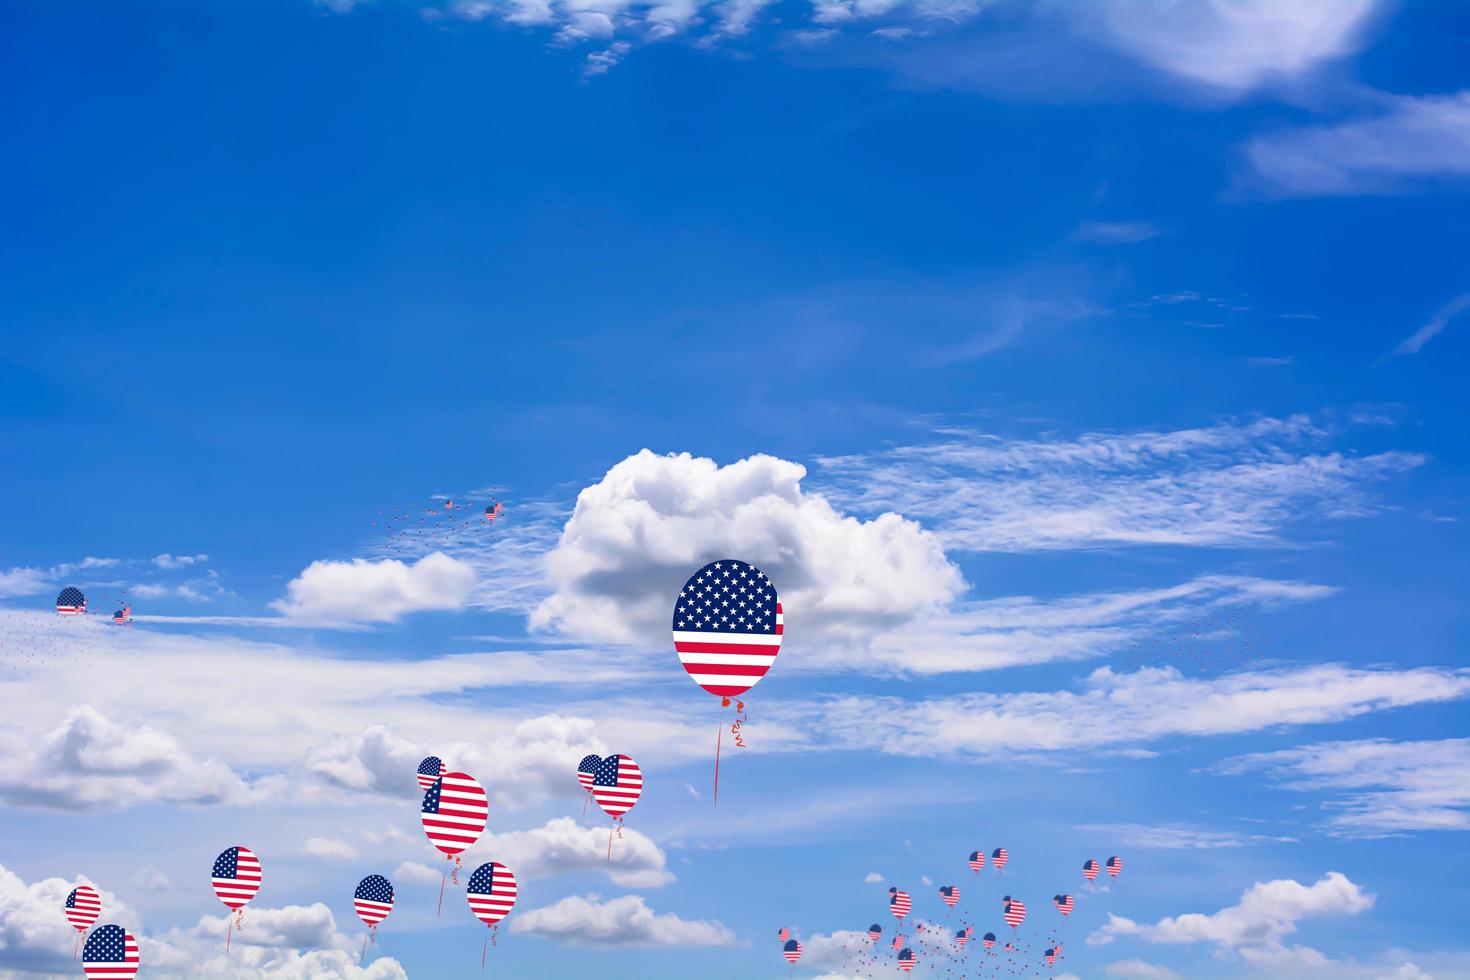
<point>617,783</point>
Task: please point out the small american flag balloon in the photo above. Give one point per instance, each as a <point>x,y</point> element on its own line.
<point>727,627</point>
<point>454,812</point>
<point>617,784</point>
<point>1015,912</point>
<point>899,903</point>
<point>907,960</point>
<point>977,860</point>
<point>111,953</point>
<point>236,876</point>
<point>1115,865</point>
<point>792,951</point>
<point>1089,868</point>
<point>988,940</point>
<point>82,907</point>
<point>586,769</point>
<point>950,894</point>
<point>491,892</point>
<point>71,602</point>
<point>874,931</point>
<point>429,770</point>
<point>373,899</point>
<point>999,857</point>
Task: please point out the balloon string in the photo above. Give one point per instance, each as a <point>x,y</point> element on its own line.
<point>362,957</point>
<point>609,845</point>
<point>440,910</point>
<point>77,946</point>
<point>483,947</point>
<point>228,930</point>
<point>585,800</point>
<point>719,734</point>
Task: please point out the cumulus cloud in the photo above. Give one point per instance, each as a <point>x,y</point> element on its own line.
<point>91,762</point>
<point>150,879</point>
<point>639,532</point>
<point>361,591</point>
<point>1414,143</point>
<point>416,872</point>
<point>329,848</point>
<point>34,936</point>
<point>1257,925</point>
<point>172,562</point>
<point>563,846</point>
<point>625,921</point>
<point>295,942</point>
<point>528,766</point>
<point>1382,787</point>
<point>1226,485</point>
<point>873,878</point>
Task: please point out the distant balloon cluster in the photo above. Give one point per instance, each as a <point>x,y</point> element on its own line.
<point>943,947</point>
<point>440,523</point>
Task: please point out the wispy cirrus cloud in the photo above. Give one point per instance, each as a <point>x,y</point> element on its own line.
<point>1113,710</point>
<point>1415,142</point>
<point>1379,787</point>
<point>1179,837</point>
<point>1230,484</point>
<point>620,922</point>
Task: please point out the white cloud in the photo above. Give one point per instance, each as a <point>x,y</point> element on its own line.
<point>359,591</point>
<point>873,878</point>
<point>532,764</point>
<point>1178,837</point>
<point>24,581</point>
<point>1140,970</point>
<point>1116,709</point>
<point>171,562</point>
<point>1116,232</point>
<point>1226,485</point>
<point>651,521</point>
<point>296,942</point>
<point>416,872</point>
<point>150,879</point>
<point>563,846</point>
<point>1385,787</point>
<point>329,848</point>
<point>1415,142</point>
<point>34,936</point>
<point>1257,925</point>
<point>625,921</point>
<point>1234,46</point>
<point>92,762</point>
<point>1407,971</point>
<point>1415,342</point>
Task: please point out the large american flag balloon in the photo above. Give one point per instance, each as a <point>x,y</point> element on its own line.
<point>491,892</point>
<point>111,953</point>
<point>454,812</point>
<point>617,784</point>
<point>586,769</point>
<point>83,906</point>
<point>429,770</point>
<point>71,602</point>
<point>236,876</point>
<point>373,899</point>
<point>727,626</point>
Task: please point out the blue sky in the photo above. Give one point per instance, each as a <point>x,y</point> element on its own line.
<point>1089,379</point>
